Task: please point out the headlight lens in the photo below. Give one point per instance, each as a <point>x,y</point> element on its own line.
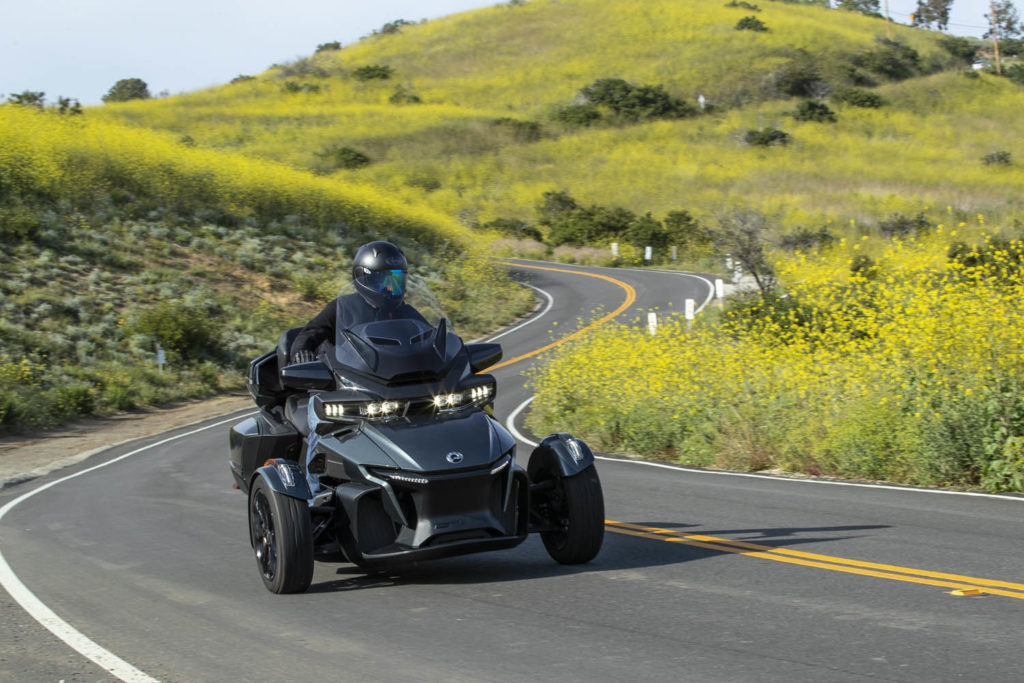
<point>367,410</point>
<point>465,398</point>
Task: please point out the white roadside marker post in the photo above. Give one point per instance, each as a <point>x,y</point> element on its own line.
<point>689,311</point>
<point>648,254</point>
<point>652,322</point>
<point>615,249</point>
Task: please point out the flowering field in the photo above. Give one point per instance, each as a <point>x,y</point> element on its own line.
<point>909,369</point>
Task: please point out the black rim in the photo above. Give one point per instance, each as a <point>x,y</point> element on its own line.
<point>263,535</point>
<point>558,513</point>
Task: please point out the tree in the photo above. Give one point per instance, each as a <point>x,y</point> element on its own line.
<point>742,233</point>
<point>930,12</point>
<point>1003,21</point>
<point>28,98</point>
<point>127,89</point>
<point>869,7</point>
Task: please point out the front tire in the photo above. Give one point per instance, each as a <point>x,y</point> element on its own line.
<point>574,504</point>
<point>279,528</point>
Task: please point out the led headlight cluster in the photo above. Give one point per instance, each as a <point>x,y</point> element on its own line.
<point>381,409</point>
<point>471,396</point>
<point>336,410</point>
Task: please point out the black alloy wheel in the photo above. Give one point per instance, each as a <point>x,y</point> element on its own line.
<point>279,528</point>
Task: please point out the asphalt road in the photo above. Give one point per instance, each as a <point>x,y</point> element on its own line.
<point>703,576</point>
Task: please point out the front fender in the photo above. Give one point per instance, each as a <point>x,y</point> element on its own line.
<point>572,454</point>
<point>284,477</point>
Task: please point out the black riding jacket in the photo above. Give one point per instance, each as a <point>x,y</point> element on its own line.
<point>343,313</point>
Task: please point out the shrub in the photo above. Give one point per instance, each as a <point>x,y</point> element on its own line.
<point>744,4</point>
<point>392,27</point>
<point>766,137</point>
<point>515,228</point>
<point>893,60</point>
<point>997,158</point>
<point>810,110</point>
<point>751,23</point>
<point>577,115</point>
<point>800,78</point>
<point>344,157</point>
<point>864,266</point>
<point>293,87</point>
<point>522,131</point>
<point>181,328</point>
<point>960,48</point>
<point>1015,72</point>
<point>635,102</point>
<point>372,72</point>
<point>28,98</point>
<point>404,96</point>
<point>898,225</point>
<point>127,89</point>
<point>858,97</point>
<point>804,239</point>
<point>242,78</point>
<point>332,46</point>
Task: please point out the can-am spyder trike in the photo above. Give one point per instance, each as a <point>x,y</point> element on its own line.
<point>408,463</point>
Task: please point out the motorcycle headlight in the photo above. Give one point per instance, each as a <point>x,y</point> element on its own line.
<point>469,396</point>
<point>366,410</point>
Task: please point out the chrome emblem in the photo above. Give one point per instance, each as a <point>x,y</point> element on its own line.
<point>454,457</point>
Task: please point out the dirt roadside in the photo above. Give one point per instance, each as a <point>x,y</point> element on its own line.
<point>28,456</point>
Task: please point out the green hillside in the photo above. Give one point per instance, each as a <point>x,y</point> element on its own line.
<point>483,140</point>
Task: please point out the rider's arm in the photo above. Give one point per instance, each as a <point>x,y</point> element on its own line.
<point>317,331</point>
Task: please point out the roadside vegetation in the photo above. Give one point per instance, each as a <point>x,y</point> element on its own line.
<point>892,358</point>
<point>119,239</point>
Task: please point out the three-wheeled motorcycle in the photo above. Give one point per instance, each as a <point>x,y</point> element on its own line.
<point>385,452</point>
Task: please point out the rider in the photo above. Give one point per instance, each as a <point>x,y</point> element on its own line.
<point>379,274</point>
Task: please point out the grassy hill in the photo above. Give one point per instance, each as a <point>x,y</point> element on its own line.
<point>481,142</point>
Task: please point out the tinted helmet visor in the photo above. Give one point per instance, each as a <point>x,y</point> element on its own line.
<point>387,282</point>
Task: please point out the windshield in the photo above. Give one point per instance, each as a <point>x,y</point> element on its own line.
<point>417,295</point>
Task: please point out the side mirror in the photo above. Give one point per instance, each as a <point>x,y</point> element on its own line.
<point>483,356</point>
<point>312,375</point>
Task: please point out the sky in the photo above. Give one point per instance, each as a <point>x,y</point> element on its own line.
<point>80,48</point>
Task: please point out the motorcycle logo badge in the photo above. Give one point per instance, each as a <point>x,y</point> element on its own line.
<point>454,457</point>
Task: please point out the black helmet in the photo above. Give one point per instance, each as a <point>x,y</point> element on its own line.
<point>378,272</point>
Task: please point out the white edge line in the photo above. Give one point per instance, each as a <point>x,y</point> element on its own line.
<point>511,422</point>
<point>533,319</point>
<point>75,639</point>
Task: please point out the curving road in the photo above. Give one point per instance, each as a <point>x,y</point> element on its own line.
<point>142,563</point>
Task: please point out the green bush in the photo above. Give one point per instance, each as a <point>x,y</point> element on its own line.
<point>1015,72</point>
<point>898,225</point>
<point>864,266</point>
<point>521,131</point>
<point>751,23</point>
<point>513,227</point>
<point>744,4</point>
<point>577,115</point>
<point>998,158</point>
<point>127,89</point>
<point>372,72</point>
<point>242,78</point>
<point>766,137</point>
<point>332,46</point>
<point>799,77</point>
<point>893,60</point>
<point>811,110</point>
<point>28,98</point>
<point>858,97</point>
<point>804,239</point>
<point>392,27</point>
<point>635,102</point>
<point>404,96</point>
<point>343,157</point>
<point>293,87</point>
<point>183,329</point>
<point>962,49</point>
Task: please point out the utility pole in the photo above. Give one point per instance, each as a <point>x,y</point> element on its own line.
<point>995,35</point>
<point>888,29</point>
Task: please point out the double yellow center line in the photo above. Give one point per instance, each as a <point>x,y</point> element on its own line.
<point>627,302</point>
<point>960,585</point>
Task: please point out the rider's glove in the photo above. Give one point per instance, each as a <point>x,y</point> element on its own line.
<point>303,356</point>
